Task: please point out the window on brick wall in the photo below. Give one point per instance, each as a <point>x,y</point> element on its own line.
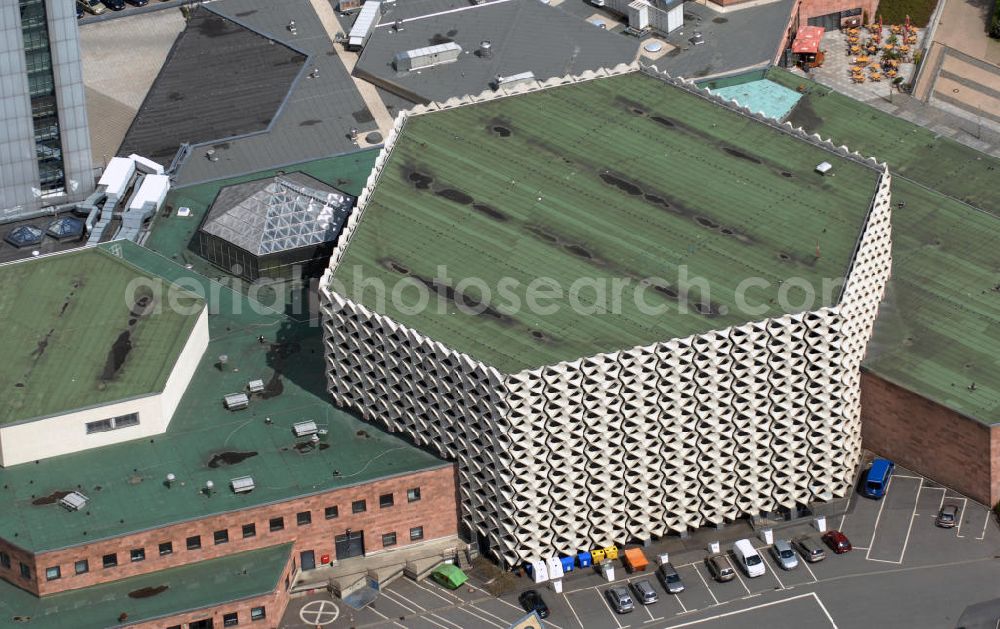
<point>385,500</point>
<point>166,548</point>
<point>249,530</point>
<point>109,560</point>
<point>413,495</point>
<point>221,536</point>
<point>416,533</point>
<point>4,560</point>
<point>359,506</point>
<point>303,517</point>
<point>258,613</point>
<point>25,570</point>
<point>230,620</point>
<point>276,524</point>
<point>81,567</point>
<point>194,542</point>
<point>388,539</point>
<point>331,512</point>
<point>138,554</point>
<point>52,573</point>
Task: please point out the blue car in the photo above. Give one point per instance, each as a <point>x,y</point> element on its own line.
<point>877,478</point>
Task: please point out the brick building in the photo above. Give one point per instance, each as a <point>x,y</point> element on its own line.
<point>270,492</point>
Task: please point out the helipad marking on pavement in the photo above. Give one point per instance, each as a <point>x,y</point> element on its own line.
<point>319,613</point>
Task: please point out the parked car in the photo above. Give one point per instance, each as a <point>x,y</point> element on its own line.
<point>948,516</point>
<point>877,478</point>
<point>719,567</point>
<point>810,548</point>
<point>532,601</point>
<point>79,11</point>
<point>748,558</point>
<point>644,592</point>
<point>91,6</point>
<point>670,579</point>
<point>138,3</point>
<point>114,5</point>
<point>837,542</point>
<point>620,600</point>
<point>783,554</point>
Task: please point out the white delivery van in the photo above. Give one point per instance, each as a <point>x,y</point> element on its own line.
<point>749,559</point>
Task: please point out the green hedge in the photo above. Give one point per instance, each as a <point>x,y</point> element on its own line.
<point>895,11</point>
<point>995,20</point>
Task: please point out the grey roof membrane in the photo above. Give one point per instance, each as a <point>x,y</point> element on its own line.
<point>278,214</point>
<point>317,114</point>
<point>734,40</point>
<point>526,35</point>
<point>219,80</point>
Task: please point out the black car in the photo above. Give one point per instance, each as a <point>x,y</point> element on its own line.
<point>114,5</point>
<point>532,601</point>
<point>79,11</point>
<point>138,3</point>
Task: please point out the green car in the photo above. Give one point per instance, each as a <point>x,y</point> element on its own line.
<point>449,576</point>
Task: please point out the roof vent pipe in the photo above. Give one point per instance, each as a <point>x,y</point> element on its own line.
<point>485,49</point>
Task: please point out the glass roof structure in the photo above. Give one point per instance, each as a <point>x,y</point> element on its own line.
<point>278,214</point>
<point>65,227</point>
<point>24,236</point>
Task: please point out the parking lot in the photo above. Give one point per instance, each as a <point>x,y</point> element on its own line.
<point>903,572</point>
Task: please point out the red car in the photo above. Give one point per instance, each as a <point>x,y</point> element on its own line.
<point>837,542</point>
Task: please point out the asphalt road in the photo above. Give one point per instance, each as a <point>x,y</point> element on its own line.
<point>903,572</point>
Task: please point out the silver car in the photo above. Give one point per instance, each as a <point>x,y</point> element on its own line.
<point>948,516</point>
<point>783,554</point>
<point>810,548</point>
<point>620,601</point>
<point>644,591</point>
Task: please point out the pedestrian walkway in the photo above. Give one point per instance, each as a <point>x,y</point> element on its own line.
<point>332,24</point>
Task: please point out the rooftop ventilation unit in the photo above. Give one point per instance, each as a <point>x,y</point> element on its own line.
<point>304,429</point>
<point>255,386</point>
<point>236,401</point>
<point>514,79</point>
<point>426,57</point>
<point>242,485</point>
<point>485,49</point>
<point>824,167</point>
<point>73,501</point>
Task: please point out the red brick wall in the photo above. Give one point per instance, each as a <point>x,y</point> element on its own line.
<point>13,573</point>
<point>813,8</point>
<point>274,605</point>
<point>436,512</point>
<point>930,439</point>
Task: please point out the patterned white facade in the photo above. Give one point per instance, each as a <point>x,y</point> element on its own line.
<point>631,444</point>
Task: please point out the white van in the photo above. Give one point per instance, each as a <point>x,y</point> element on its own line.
<point>749,559</point>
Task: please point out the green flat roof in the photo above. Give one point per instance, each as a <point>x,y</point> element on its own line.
<point>125,482</point>
<point>66,328</point>
<point>623,177</point>
<point>192,587</point>
<point>938,329</point>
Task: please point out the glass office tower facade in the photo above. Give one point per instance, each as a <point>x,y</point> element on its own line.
<point>44,143</point>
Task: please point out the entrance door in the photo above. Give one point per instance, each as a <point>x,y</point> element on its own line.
<point>307,560</point>
<point>351,544</point>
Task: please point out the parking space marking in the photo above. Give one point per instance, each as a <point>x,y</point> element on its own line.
<point>909,525</point>
<point>878,517</point>
<point>447,621</point>
<point>486,620</point>
<point>386,593</point>
<point>736,571</point>
<point>985,524</point>
<point>810,570</point>
<point>677,597</point>
<point>965,505</point>
<point>773,570</point>
<point>706,586</point>
<point>488,613</point>
<point>572,609</point>
<point>607,606</point>
<point>812,595</point>
<point>450,601</point>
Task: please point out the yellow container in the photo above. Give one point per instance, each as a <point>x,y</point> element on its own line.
<point>598,555</point>
<point>611,552</point>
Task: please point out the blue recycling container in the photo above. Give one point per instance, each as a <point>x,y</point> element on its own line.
<point>584,559</point>
<point>567,563</point>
